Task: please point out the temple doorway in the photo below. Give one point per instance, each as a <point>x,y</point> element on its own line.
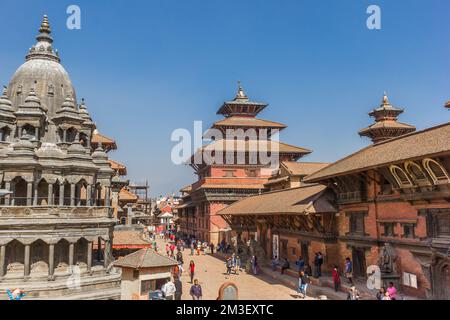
<point>359,262</point>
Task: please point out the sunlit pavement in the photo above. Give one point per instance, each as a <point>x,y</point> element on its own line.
<point>211,273</point>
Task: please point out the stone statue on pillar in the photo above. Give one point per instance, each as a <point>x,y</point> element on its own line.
<point>387,259</point>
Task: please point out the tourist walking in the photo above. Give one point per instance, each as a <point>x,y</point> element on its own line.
<point>196,291</point>
<point>168,289</point>
<point>336,278</point>
<point>392,291</point>
<point>285,265</point>
<point>211,248</point>
<point>316,265</point>
<point>180,257</point>
<point>192,248</point>
<point>178,288</point>
<point>300,263</point>
<point>381,293</point>
<point>303,282</point>
<point>348,271</point>
<point>199,246</point>
<point>229,264</point>
<point>255,265</point>
<point>167,250</point>
<point>353,294</point>
<point>192,270</point>
<point>319,264</point>
<point>237,266</point>
<point>274,263</point>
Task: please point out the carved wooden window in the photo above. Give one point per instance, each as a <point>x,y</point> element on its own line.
<point>389,229</point>
<point>356,223</point>
<point>436,171</point>
<point>401,177</point>
<point>409,231</point>
<point>415,171</point>
<point>443,225</point>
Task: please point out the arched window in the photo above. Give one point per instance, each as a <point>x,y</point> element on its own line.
<point>4,133</point>
<point>401,177</point>
<point>436,171</point>
<point>28,130</point>
<point>39,256</point>
<point>71,135</point>
<point>84,140</point>
<point>416,172</point>
<point>15,257</point>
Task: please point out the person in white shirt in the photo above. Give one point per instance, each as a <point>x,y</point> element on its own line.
<point>169,289</point>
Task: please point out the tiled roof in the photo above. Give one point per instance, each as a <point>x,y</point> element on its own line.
<point>97,137</point>
<point>301,200</point>
<point>388,124</point>
<point>303,168</point>
<point>145,258</point>
<point>248,122</point>
<point>118,166</point>
<point>429,142</point>
<point>186,189</point>
<point>128,238</point>
<point>125,195</point>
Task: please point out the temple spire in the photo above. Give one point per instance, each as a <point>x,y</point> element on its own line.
<point>386,125</point>
<point>240,94</point>
<point>45,26</point>
<point>43,48</point>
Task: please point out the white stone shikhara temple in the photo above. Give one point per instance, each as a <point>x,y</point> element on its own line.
<point>56,225</point>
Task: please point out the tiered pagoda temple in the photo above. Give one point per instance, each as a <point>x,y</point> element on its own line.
<point>386,125</point>
<point>222,184</point>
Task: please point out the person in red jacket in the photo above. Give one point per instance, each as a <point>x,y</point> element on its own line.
<point>192,270</point>
<point>336,278</point>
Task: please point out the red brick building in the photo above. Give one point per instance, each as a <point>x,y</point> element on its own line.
<point>392,209</point>
<point>222,184</point>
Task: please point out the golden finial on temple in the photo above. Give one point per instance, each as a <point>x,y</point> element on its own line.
<point>45,25</point>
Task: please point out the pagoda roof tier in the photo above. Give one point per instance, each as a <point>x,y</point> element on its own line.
<point>297,201</point>
<point>247,122</point>
<point>383,130</point>
<point>100,139</point>
<point>386,125</point>
<point>416,145</point>
<point>251,146</point>
<point>241,105</point>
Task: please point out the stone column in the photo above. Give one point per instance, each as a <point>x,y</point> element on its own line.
<point>72,195</point>
<point>2,261</point>
<point>29,193</point>
<point>64,135</point>
<point>99,250</point>
<point>88,195</point>
<point>35,198</point>
<point>107,197</point>
<point>107,253</point>
<point>61,194</point>
<point>51,262</point>
<point>36,133</point>
<point>89,257</point>
<point>27,261</point>
<point>71,256</point>
<point>8,197</point>
<point>50,194</point>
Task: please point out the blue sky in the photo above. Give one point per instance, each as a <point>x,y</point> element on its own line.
<point>149,67</point>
